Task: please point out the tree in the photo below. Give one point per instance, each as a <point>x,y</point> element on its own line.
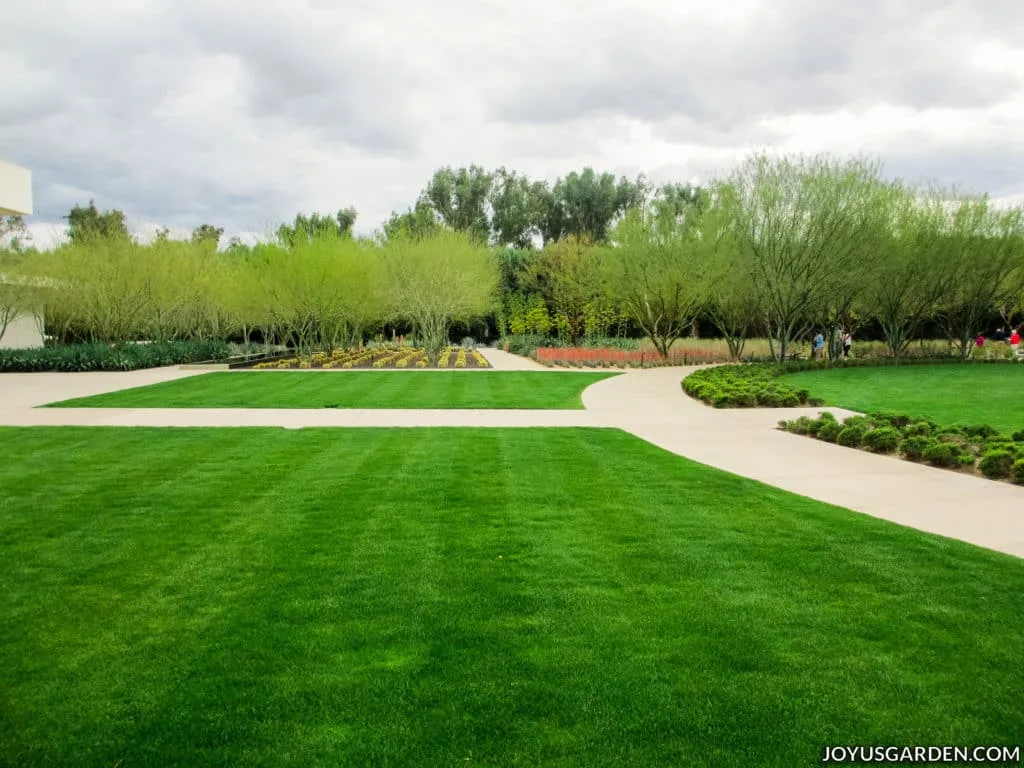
<point>518,207</point>
<point>416,223</point>
<point>14,235</point>
<point>982,255</point>
<point>732,299</point>
<point>436,280</point>
<point>805,227</point>
<point>88,223</point>
<point>207,233</point>
<point>306,229</point>
<point>656,271</point>
<point>460,198</point>
<point>587,204</point>
<point>569,274</point>
<point>676,200</point>
<point>909,280</point>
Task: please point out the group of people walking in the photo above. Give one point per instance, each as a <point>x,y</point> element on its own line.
<point>845,343</point>
<point>1012,336</point>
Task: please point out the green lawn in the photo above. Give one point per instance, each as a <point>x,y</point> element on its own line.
<point>949,394</point>
<point>356,389</point>
<point>490,597</point>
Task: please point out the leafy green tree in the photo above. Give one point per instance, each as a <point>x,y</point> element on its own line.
<point>909,280</point>
<point>587,204</point>
<point>677,200</point>
<point>88,223</point>
<point>209,234</point>
<point>570,276</point>
<point>418,222</point>
<point>306,229</point>
<point>656,271</point>
<point>436,280</point>
<point>982,250</point>
<point>518,207</point>
<point>460,198</point>
<point>732,298</point>
<point>805,227</point>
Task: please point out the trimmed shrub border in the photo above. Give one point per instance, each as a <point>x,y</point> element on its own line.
<point>753,385</point>
<point>76,358</point>
<point>977,449</point>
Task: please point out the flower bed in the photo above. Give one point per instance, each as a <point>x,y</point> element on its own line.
<point>745,386</point>
<point>609,356</point>
<point>975,449</point>
<point>378,358</point>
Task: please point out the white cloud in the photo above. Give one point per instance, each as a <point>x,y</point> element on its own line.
<point>243,113</point>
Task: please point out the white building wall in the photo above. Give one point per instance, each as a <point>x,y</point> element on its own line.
<point>23,332</point>
<point>15,190</point>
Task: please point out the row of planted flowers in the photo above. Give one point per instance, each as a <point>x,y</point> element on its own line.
<point>378,358</point>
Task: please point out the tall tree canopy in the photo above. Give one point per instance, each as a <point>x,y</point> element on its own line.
<point>305,229</point>
<point>460,198</point>
<point>88,223</point>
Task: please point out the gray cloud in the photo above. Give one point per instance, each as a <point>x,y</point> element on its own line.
<point>242,112</point>
<point>781,58</point>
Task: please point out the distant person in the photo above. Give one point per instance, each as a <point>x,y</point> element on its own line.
<point>1015,342</point>
<point>980,341</point>
<point>817,346</point>
<point>847,343</point>
<point>999,335</point>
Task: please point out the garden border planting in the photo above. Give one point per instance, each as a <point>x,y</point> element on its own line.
<point>129,356</point>
<point>976,449</point>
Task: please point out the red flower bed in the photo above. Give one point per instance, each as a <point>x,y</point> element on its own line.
<point>607,356</point>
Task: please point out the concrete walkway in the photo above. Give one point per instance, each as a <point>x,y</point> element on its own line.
<point>506,361</point>
<point>651,405</point>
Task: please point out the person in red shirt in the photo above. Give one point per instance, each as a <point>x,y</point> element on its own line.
<point>1015,342</point>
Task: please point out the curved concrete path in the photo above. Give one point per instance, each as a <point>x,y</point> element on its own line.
<point>651,405</point>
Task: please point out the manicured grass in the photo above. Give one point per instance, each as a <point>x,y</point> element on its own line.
<point>471,597</point>
<point>356,389</point>
<point>949,394</point>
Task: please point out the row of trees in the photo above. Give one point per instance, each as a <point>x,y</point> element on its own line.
<point>779,247</point>
<point>321,292</point>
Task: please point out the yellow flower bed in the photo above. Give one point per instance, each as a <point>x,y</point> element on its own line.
<point>378,358</point>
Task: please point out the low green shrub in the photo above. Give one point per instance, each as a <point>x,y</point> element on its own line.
<point>801,426</point>
<point>980,431</point>
<point>743,386</point>
<point>892,419</point>
<point>996,464</point>
<point>1017,472</point>
<point>73,358</point>
<point>966,460</point>
<point>829,431</point>
<point>918,428</point>
<point>913,447</point>
<point>942,454</point>
<point>851,435</point>
<point>882,439</point>
<point>822,420</point>
<point>1018,437</point>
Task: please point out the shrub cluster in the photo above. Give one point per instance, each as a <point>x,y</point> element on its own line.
<point>980,446</point>
<point>110,357</point>
<point>745,386</point>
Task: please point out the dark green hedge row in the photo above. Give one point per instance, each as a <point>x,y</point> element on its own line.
<point>794,366</point>
<point>978,447</point>
<point>745,386</point>
<point>107,357</point>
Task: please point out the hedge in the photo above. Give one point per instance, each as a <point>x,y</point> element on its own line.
<point>976,447</point>
<point>74,358</point>
<point>745,386</point>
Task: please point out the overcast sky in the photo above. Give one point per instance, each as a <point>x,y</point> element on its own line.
<point>243,113</point>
